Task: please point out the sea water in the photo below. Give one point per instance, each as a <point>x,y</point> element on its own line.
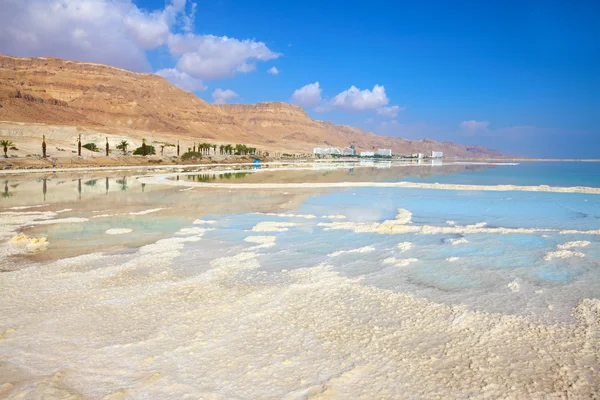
<point>363,292</point>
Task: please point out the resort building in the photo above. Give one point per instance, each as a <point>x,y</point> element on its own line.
<point>437,154</point>
<point>327,151</point>
<point>384,152</point>
<point>419,156</point>
<point>349,151</point>
<point>367,154</point>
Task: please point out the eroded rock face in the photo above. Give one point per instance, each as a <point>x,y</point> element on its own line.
<point>61,92</point>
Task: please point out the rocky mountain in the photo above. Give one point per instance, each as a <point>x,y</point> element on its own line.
<point>112,100</point>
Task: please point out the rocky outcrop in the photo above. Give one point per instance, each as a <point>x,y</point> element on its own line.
<point>87,95</point>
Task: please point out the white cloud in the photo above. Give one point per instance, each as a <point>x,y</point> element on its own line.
<point>114,32</point>
<point>223,96</point>
<point>474,126</point>
<point>181,79</point>
<point>357,100</point>
<point>273,71</point>
<point>118,32</point>
<point>307,96</point>
<point>391,111</point>
<point>214,57</point>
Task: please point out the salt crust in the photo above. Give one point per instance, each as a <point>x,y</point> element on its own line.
<point>160,179</point>
<point>570,245</point>
<point>202,221</point>
<point>389,227</point>
<point>261,241</point>
<point>399,262</point>
<point>30,244</point>
<point>514,286</point>
<point>366,249</point>
<point>456,241</point>
<point>271,226</point>
<point>452,259</point>
<point>562,254</point>
<point>118,231</point>
<point>404,246</point>
<point>227,333</point>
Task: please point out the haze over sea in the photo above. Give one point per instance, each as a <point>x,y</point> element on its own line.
<point>166,285</point>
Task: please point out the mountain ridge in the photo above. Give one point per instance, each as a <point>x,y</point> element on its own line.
<point>54,91</point>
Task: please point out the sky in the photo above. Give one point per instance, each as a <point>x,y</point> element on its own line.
<point>521,77</point>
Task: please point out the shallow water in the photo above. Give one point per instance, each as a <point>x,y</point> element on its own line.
<point>161,291</point>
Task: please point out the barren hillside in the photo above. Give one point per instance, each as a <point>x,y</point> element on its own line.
<point>110,100</point>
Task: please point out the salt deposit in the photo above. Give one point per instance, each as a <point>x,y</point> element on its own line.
<point>404,246</point>
<point>570,245</point>
<point>514,286</point>
<point>456,241</point>
<point>399,262</point>
<point>118,231</point>
<point>145,212</point>
<point>262,241</point>
<point>452,259</point>
<point>270,226</point>
<point>366,249</point>
<point>201,222</point>
<point>412,185</point>
<point>562,254</point>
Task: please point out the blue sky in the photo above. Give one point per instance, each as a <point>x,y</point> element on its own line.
<point>521,77</point>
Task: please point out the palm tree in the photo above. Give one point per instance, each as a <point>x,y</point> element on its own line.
<point>78,146</point>
<point>123,146</point>
<point>215,149</point>
<point>6,144</point>
<point>44,146</point>
<point>107,147</point>
<point>221,147</point>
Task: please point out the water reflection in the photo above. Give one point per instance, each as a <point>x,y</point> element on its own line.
<point>6,194</point>
<point>214,177</point>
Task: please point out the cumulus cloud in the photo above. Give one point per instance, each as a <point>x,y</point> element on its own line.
<point>357,100</point>
<point>273,71</point>
<point>474,126</point>
<point>114,32</point>
<point>307,96</point>
<point>118,32</point>
<point>181,79</point>
<point>223,96</point>
<point>391,111</point>
<point>214,57</point>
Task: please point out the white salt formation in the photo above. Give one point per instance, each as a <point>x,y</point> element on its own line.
<point>562,254</point>
<point>118,231</point>
<point>399,262</point>
<point>270,226</point>
<point>366,249</point>
<point>456,241</point>
<point>404,246</point>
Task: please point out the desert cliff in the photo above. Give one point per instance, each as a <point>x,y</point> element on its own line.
<point>62,98</point>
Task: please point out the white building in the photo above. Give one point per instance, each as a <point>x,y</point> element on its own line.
<point>437,154</point>
<point>367,154</point>
<point>384,152</point>
<point>326,151</point>
<point>348,151</point>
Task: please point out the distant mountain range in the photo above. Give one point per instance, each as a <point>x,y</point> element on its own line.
<point>107,99</point>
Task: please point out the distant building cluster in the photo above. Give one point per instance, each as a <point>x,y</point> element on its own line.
<point>384,152</point>
<point>327,151</point>
<point>367,154</point>
<point>437,154</point>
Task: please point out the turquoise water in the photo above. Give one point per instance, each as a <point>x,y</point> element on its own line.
<point>483,266</point>
<point>565,174</point>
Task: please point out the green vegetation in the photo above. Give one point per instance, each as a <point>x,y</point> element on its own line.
<point>5,144</point>
<point>191,155</point>
<point>91,147</point>
<point>123,146</point>
<point>150,150</point>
